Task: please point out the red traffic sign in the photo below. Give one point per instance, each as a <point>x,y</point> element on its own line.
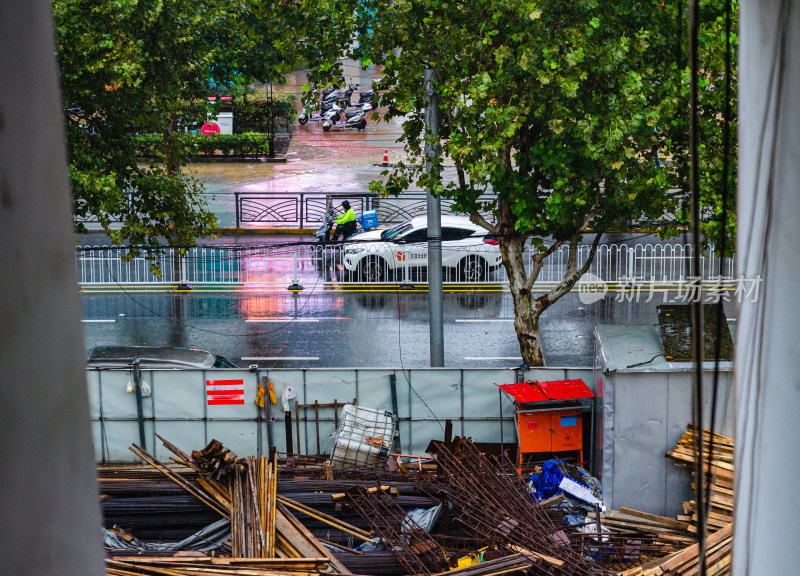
<point>209,128</point>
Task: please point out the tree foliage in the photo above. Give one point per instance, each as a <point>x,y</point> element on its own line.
<point>145,67</point>
<point>555,108</point>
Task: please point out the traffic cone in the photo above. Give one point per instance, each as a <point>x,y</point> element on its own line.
<point>385,157</point>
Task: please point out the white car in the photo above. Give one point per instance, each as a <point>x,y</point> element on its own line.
<point>469,252</point>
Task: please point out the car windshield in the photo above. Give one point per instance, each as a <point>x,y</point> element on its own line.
<point>395,231</point>
<point>223,362</point>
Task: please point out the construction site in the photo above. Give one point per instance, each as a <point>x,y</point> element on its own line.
<point>460,508</point>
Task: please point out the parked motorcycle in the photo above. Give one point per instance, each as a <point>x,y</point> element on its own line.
<point>356,119</point>
<point>332,113</point>
<point>365,96</point>
<point>322,236</point>
<point>329,100</point>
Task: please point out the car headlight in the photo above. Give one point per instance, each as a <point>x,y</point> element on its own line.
<point>355,249</point>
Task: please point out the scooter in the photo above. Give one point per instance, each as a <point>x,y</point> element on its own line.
<point>330,113</point>
<point>326,91</point>
<point>330,96</point>
<point>342,100</point>
<point>365,96</point>
<point>322,236</point>
<point>356,119</point>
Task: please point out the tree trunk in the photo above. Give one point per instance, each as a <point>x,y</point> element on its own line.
<point>527,310</point>
<point>526,323</point>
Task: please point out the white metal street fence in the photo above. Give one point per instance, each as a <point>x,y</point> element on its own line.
<point>311,264</point>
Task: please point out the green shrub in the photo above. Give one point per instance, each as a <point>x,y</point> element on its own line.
<point>227,145</point>
<point>251,113</point>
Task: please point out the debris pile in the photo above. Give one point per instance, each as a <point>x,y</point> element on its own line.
<point>718,468</point>
<point>464,515</point>
<point>260,527</point>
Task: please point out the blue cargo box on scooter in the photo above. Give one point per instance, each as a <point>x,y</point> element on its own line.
<point>369,220</point>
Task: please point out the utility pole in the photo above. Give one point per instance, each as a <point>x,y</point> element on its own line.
<point>268,94</point>
<point>434,226</point>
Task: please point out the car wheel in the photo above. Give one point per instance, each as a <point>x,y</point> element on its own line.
<point>473,269</point>
<point>372,269</point>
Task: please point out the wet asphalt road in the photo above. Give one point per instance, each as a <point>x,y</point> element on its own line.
<point>271,327</point>
<point>337,328</point>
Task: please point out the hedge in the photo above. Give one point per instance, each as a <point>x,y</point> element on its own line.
<point>227,145</point>
<point>251,113</point>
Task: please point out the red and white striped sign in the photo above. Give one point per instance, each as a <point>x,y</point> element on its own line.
<point>225,392</point>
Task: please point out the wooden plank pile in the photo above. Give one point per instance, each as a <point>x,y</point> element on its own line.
<point>253,492</point>
<point>631,536</point>
<point>719,470</point>
<point>685,562</point>
<point>260,527</point>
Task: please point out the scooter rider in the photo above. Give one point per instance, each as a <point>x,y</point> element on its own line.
<point>346,223</point>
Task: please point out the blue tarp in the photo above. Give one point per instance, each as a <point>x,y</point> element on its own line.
<point>545,485</point>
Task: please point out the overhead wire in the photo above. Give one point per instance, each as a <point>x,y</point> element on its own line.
<point>696,306</point>
<point>726,157</point>
<point>191,327</point>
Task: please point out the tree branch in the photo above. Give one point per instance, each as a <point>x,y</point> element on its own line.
<point>538,262</point>
<point>571,277</point>
<point>553,247</point>
<point>476,218</point>
<point>590,258</point>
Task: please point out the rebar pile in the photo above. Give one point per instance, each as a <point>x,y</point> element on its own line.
<point>414,548</point>
<point>147,566</point>
<point>145,502</point>
<point>495,505</point>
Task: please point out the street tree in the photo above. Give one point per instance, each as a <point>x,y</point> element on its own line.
<point>553,110</point>
<point>146,67</point>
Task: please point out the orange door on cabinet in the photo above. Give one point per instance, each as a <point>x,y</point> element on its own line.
<point>535,434</point>
<point>567,430</point>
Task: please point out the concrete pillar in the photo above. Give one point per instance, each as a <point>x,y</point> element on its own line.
<point>768,346</point>
<point>50,521</point>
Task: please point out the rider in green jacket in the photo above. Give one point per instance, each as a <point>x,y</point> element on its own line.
<point>346,223</point>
